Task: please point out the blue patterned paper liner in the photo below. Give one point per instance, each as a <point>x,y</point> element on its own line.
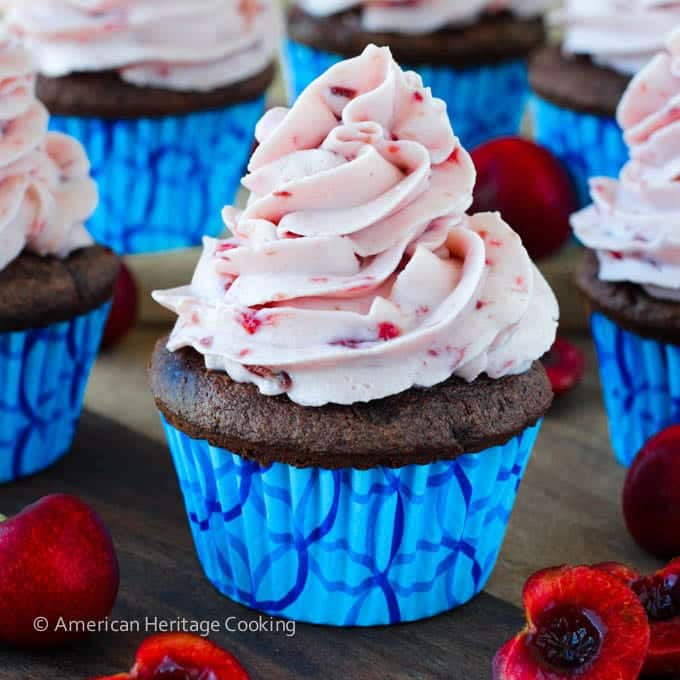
<point>43,374</point>
<point>641,384</point>
<point>483,102</point>
<point>163,182</point>
<point>349,547</point>
<point>588,145</point>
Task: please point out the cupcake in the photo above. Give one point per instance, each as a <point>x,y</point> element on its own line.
<point>55,284</point>
<point>165,97</point>
<point>350,393</point>
<point>631,275</point>
<point>579,85</point>
<point>471,52</point>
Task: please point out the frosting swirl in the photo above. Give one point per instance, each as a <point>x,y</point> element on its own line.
<point>620,34</point>
<point>634,222</point>
<point>46,193</point>
<point>177,45</point>
<point>425,16</point>
<point>354,273</point>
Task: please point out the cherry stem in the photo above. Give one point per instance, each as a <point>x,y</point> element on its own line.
<point>2,517</point>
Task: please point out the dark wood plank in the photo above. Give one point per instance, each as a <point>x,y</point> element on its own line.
<point>130,480</point>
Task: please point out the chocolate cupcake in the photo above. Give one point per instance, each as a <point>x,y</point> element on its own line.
<point>55,284</point>
<point>631,277</point>
<point>578,85</point>
<point>473,54</point>
<point>165,97</point>
<point>351,392</point>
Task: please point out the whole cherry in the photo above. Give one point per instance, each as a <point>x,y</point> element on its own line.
<point>180,656</point>
<point>651,495</point>
<point>529,187</point>
<point>565,365</point>
<point>123,310</point>
<point>57,566</point>
<point>581,623</point>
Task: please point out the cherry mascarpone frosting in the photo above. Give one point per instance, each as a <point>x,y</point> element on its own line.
<point>46,193</point>
<point>172,44</point>
<point>354,273</point>
<point>634,222</point>
<point>421,16</point>
<point>620,34</point>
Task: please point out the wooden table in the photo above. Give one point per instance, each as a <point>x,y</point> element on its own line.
<point>568,511</point>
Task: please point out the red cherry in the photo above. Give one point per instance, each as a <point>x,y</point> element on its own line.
<point>651,495</point>
<point>530,188</point>
<point>57,561</point>
<point>659,594</point>
<point>581,623</point>
<point>565,365</point>
<point>180,656</point>
<point>123,311</point>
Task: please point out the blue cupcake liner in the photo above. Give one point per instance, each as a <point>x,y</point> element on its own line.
<point>483,102</point>
<point>43,373</point>
<point>641,384</point>
<point>349,547</point>
<point>163,182</point>
<point>588,145</point>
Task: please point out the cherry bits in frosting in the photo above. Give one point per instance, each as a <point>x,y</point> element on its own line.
<point>354,272</point>
<point>620,34</point>
<point>634,222</point>
<point>421,16</point>
<point>173,44</point>
<point>46,193</point>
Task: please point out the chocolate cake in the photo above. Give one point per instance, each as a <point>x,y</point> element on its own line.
<point>38,291</point>
<point>494,38</point>
<point>418,426</point>
<point>629,305</point>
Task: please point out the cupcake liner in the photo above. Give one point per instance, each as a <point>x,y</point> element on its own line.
<point>349,547</point>
<point>589,146</point>
<point>163,182</point>
<point>43,373</point>
<point>483,102</point>
<point>641,384</point>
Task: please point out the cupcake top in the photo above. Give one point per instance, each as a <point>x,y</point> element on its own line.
<point>46,193</point>
<point>634,222</point>
<point>620,34</point>
<point>354,273</point>
<point>425,16</point>
<point>172,44</point>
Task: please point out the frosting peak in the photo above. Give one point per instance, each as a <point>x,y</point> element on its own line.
<point>634,223</point>
<point>353,272</point>
<point>174,44</point>
<point>46,193</point>
<point>620,34</point>
<point>425,16</point>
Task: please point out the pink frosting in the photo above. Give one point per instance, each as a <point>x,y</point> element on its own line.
<point>173,44</point>
<point>620,34</point>
<point>421,16</point>
<point>354,272</point>
<point>46,193</point>
<point>634,223</point>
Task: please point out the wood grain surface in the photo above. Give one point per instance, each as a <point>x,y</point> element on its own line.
<point>568,511</point>
<point>129,479</point>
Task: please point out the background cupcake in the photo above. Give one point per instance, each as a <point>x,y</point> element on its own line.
<point>472,53</point>
<point>55,284</point>
<point>632,277</point>
<point>165,97</point>
<point>580,84</point>
<point>322,482</point>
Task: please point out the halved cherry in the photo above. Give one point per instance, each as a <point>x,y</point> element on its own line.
<point>581,623</point>
<point>180,656</point>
